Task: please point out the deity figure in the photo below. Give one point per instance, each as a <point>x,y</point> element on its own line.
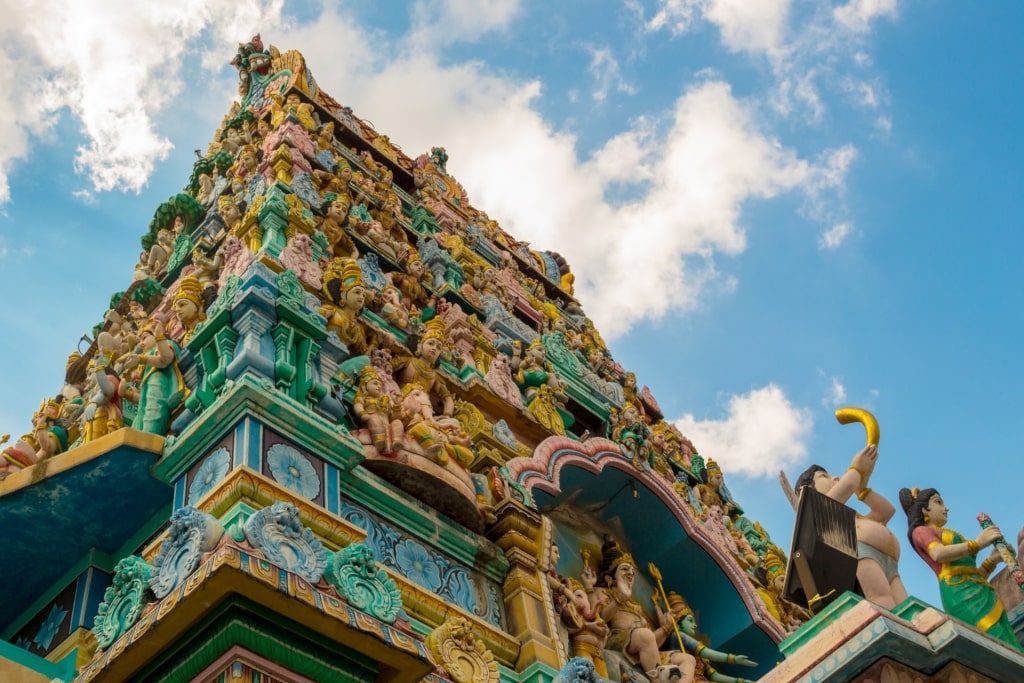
<point>188,307</point>
<point>421,368</point>
<point>374,408</point>
<point>297,257</point>
<point>633,434</point>
<point>629,390</point>
<point>393,309</point>
<point>774,569</point>
<point>161,386</point>
<point>442,437</point>
<point>371,230</point>
<point>335,208</point>
<point>160,253</point>
<point>712,491</point>
<point>102,414</point>
<point>292,105</point>
<point>631,630</point>
<point>380,358</point>
<point>686,622</point>
<point>964,589</point>
<point>412,280</point>
<point>343,285</point>
<point>47,438</point>
<point>588,631</point>
<point>229,212</point>
<point>545,407</point>
<point>877,548</point>
<point>499,379</point>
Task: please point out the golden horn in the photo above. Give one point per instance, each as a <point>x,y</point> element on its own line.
<point>850,414</point>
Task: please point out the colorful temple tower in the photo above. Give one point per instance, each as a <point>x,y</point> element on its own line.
<point>341,426</point>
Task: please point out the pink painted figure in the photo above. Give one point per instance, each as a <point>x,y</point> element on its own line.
<point>237,259</point>
<point>499,379</point>
<point>298,258</point>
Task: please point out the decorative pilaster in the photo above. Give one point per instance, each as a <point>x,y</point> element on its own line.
<point>518,531</point>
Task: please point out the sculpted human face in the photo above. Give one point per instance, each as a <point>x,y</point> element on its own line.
<point>625,575</point>
<point>186,311</point>
<point>823,482</point>
<point>415,268</point>
<point>229,212</point>
<point>356,297</point>
<point>631,415</point>
<point>938,513</point>
<point>338,210</point>
<point>374,388</point>
<point>716,481</point>
<point>688,625</point>
<point>430,349</point>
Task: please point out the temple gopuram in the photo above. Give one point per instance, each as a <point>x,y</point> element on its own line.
<point>341,426</point>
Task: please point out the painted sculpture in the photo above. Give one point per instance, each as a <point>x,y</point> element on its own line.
<point>376,410</point>
<point>631,632</point>
<point>878,551</point>
<point>964,589</point>
<point>161,387</point>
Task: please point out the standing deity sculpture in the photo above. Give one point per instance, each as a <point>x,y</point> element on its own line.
<point>161,386</point>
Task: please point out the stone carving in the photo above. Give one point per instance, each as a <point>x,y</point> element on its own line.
<point>278,533</point>
<point>458,652</point>
<point>123,600</point>
<point>191,533</point>
<point>363,584</point>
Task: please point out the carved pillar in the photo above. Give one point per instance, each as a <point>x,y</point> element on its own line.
<point>518,532</point>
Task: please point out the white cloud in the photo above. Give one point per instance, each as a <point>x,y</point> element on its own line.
<point>857,15</point>
<point>442,22</point>
<point>755,26</point>
<point>832,239</point>
<point>607,74</point>
<point>687,172</point>
<point>762,433</point>
<point>836,394</point>
<point>114,66</point>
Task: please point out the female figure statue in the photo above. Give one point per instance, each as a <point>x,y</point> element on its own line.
<point>964,589</point>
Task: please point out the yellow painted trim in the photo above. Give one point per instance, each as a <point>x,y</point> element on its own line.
<point>990,619</point>
<point>124,437</point>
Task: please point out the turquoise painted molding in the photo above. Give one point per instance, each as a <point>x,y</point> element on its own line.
<point>64,670</point>
<point>820,621</point>
<point>372,493</point>
<point>257,397</point>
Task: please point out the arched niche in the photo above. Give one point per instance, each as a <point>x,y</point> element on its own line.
<point>656,526</point>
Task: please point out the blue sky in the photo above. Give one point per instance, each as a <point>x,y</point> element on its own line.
<point>772,207</point>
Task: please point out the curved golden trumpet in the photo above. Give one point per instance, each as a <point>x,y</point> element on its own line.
<point>850,414</point>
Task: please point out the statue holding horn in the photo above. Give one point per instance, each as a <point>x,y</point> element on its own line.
<point>878,550</point>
